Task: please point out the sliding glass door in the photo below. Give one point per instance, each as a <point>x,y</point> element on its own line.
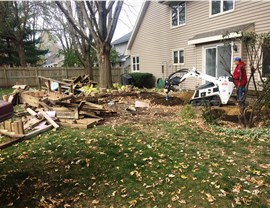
<point>218,60</point>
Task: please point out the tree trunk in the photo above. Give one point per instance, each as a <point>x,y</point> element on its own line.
<point>21,53</point>
<point>105,74</point>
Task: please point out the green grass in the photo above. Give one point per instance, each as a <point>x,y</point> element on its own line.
<point>5,91</point>
<point>163,164</point>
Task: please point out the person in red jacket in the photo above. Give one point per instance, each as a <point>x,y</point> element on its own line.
<point>240,80</point>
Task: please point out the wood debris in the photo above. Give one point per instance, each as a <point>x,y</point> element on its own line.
<point>46,109</point>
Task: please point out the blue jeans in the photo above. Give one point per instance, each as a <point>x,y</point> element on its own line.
<point>241,96</point>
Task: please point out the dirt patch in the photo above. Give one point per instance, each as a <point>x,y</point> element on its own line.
<point>160,108</point>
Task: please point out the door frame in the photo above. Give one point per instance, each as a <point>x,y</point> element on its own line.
<point>204,48</point>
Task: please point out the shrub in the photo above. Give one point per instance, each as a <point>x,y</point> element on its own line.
<point>186,112</point>
<point>207,115</point>
<point>143,80</point>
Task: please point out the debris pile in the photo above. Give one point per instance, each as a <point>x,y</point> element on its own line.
<point>57,103</point>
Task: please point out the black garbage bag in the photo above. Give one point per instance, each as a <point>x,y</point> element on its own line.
<point>126,79</point>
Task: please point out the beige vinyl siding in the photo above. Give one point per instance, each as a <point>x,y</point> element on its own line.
<point>155,39</point>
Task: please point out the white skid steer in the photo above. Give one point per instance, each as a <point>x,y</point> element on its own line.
<point>216,91</point>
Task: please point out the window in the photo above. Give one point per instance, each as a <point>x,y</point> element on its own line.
<point>221,6</point>
<point>135,63</point>
<point>266,62</point>
<point>217,60</point>
<point>178,56</point>
<point>178,14</point>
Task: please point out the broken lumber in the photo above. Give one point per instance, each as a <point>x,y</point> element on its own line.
<point>29,99</point>
<point>49,119</point>
<point>31,112</point>
<point>80,123</point>
<point>37,132</point>
<point>9,143</point>
<point>94,106</point>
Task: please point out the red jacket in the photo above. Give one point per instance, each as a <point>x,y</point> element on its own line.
<point>240,75</point>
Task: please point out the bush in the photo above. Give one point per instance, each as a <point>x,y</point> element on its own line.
<point>143,80</point>
<point>208,115</point>
<point>187,113</point>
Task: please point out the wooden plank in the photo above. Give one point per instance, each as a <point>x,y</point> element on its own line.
<point>31,123</point>
<point>53,80</point>
<point>90,114</point>
<point>9,143</point>
<point>19,86</point>
<point>37,132</point>
<point>31,112</point>
<point>7,125</point>
<point>63,112</point>
<point>94,106</point>
<point>49,119</point>
<point>80,123</point>
<point>16,127</point>
<point>45,106</point>
<point>29,99</point>
<point>22,137</point>
<point>66,114</point>
<point>10,134</point>
<point>20,126</point>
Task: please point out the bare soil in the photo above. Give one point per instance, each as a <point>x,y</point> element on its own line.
<point>162,108</point>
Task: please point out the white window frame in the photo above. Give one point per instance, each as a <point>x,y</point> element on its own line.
<point>221,8</point>
<point>136,64</point>
<point>178,25</point>
<point>178,52</point>
<point>203,57</point>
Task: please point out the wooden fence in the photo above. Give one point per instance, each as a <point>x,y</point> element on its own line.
<point>29,76</point>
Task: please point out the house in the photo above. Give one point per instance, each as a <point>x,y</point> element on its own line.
<point>120,45</point>
<point>171,35</point>
<point>52,58</point>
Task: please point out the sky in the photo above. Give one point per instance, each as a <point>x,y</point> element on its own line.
<point>127,18</point>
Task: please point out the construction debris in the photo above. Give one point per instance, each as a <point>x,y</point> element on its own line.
<point>142,104</point>
<point>56,103</point>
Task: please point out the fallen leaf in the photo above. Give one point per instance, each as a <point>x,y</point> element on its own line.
<point>236,189</point>
<point>132,203</point>
<point>175,198</point>
<point>210,198</point>
<point>184,177</point>
<point>95,201</point>
<point>10,204</point>
<point>171,175</point>
<point>87,161</point>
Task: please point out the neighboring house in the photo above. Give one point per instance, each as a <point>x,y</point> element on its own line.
<point>120,45</point>
<point>52,58</point>
<point>171,35</point>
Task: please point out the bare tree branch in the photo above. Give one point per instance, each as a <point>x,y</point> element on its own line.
<point>114,21</point>
<point>71,19</point>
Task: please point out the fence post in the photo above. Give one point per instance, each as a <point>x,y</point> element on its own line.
<point>5,73</point>
<point>66,73</point>
<point>37,81</point>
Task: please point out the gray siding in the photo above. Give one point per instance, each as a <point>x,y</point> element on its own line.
<point>155,39</point>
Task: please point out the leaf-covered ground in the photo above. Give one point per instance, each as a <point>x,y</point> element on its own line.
<point>150,158</point>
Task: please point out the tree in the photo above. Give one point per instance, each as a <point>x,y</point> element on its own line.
<point>114,55</point>
<point>257,47</point>
<point>101,18</point>
<point>71,41</point>
<point>18,21</point>
<point>71,59</point>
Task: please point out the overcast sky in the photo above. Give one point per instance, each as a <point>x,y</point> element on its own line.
<point>127,18</point>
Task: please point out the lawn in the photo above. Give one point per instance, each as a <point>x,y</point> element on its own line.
<point>162,163</point>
